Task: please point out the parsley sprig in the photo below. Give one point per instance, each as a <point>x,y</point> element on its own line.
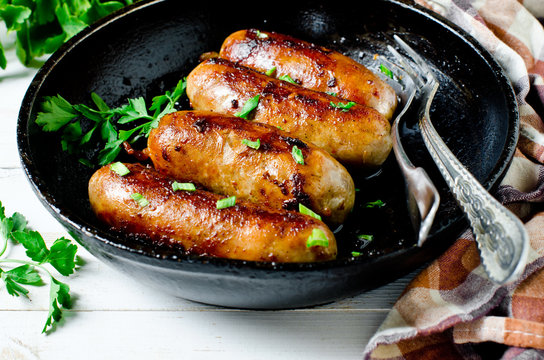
<point>61,256</point>
<point>43,26</point>
<point>113,126</point>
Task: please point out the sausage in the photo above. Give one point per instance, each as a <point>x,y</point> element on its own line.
<point>212,150</point>
<point>357,137</point>
<point>312,66</point>
<point>245,231</point>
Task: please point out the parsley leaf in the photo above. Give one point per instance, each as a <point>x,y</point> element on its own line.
<point>14,16</point>
<point>34,244</point>
<point>21,275</point>
<point>43,26</point>
<point>61,256</point>
<point>59,297</point>
<point>56,113</point>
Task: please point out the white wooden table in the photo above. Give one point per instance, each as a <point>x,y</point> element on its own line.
<point>114,317</point>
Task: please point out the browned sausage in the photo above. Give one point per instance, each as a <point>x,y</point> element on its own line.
<point>358,136</point>
<point>312,66</point>
<point>244,231</point>
<point>215,151</point>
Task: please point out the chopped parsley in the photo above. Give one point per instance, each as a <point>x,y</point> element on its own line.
<point>252,144</point>
<point>365,237</point>
<point>307,211</point>
<point>140,199</point>
<point>183,186</point>
<point>342,106</point>
<point>270,71</point>
<point>297,155</point>
<point>317,238</point>
<point>248,107</point>
<point>119,168</point>
<point>226,202</point>
<point>374,204</point>
<point>287,78</point>
<point>386,71</point>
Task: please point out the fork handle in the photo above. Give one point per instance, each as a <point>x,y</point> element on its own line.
<point>501,237</point>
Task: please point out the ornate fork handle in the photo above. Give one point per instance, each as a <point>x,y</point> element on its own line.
<point>502,240</point>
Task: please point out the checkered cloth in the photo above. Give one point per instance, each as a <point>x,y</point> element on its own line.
<point>451,310</point>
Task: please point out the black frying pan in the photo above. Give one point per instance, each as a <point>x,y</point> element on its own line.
<point>146,48</point>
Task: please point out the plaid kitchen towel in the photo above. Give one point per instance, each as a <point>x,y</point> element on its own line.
<point>451,310</point>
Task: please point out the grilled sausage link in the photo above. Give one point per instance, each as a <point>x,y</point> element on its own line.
<point>233,156</point>
<point>244,231</point>
<point>357,137</point>
<point>312,66</point>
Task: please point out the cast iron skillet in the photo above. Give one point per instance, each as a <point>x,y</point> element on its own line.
<point>146,48</point>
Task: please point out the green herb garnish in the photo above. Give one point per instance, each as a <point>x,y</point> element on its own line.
<point>103,122</point>
<point>386,71</point>
<point>270,71</point>
<point>226,202</point>
<point>318,238</point>
<point>287,78</point>
<point>374,204</point>
<point>342,106</point>
<point>140,199</point>
<point>297,155</point>
<point>365,237</point>
<point>119,168</point>
<point>248,107</point>
<point>61,256</point>
<point>307,211</point>
<point>252,144</point>
<point>183,186</point>
<point>43,26</point>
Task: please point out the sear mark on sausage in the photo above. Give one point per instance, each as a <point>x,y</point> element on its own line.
<point>294,141</point>
<point>201,125</point>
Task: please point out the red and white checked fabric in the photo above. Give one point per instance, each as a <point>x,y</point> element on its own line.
<point>451,310</point>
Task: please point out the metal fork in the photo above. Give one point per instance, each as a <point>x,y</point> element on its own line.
<point>422,197</point>
<point>501,237</point>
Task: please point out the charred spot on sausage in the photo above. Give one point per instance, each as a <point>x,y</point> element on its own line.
<point>298,189</point>
<point>165,154</point>
<point>294,141</point>
<point>201,125</point>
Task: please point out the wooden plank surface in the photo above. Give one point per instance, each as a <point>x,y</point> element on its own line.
<point>115,317</point>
